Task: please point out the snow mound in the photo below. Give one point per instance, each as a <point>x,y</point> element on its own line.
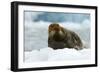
<point>48,54</point>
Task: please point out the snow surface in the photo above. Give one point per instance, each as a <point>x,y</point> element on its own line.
<point>48,54</point>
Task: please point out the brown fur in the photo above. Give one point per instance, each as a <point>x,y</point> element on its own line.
<point>60,38</point>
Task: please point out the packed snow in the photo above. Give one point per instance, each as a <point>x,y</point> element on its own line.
<point>48,54</point>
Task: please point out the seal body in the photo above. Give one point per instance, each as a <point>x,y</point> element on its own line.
<point>59,38</point>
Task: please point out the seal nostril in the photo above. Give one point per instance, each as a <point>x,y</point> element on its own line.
<point>56,29</point>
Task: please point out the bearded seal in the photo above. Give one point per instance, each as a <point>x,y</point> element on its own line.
<point>59,38</point>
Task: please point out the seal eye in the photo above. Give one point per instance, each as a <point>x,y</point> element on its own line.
<point>51,26</point>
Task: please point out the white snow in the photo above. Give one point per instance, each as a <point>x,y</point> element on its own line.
<point>48,54</point>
